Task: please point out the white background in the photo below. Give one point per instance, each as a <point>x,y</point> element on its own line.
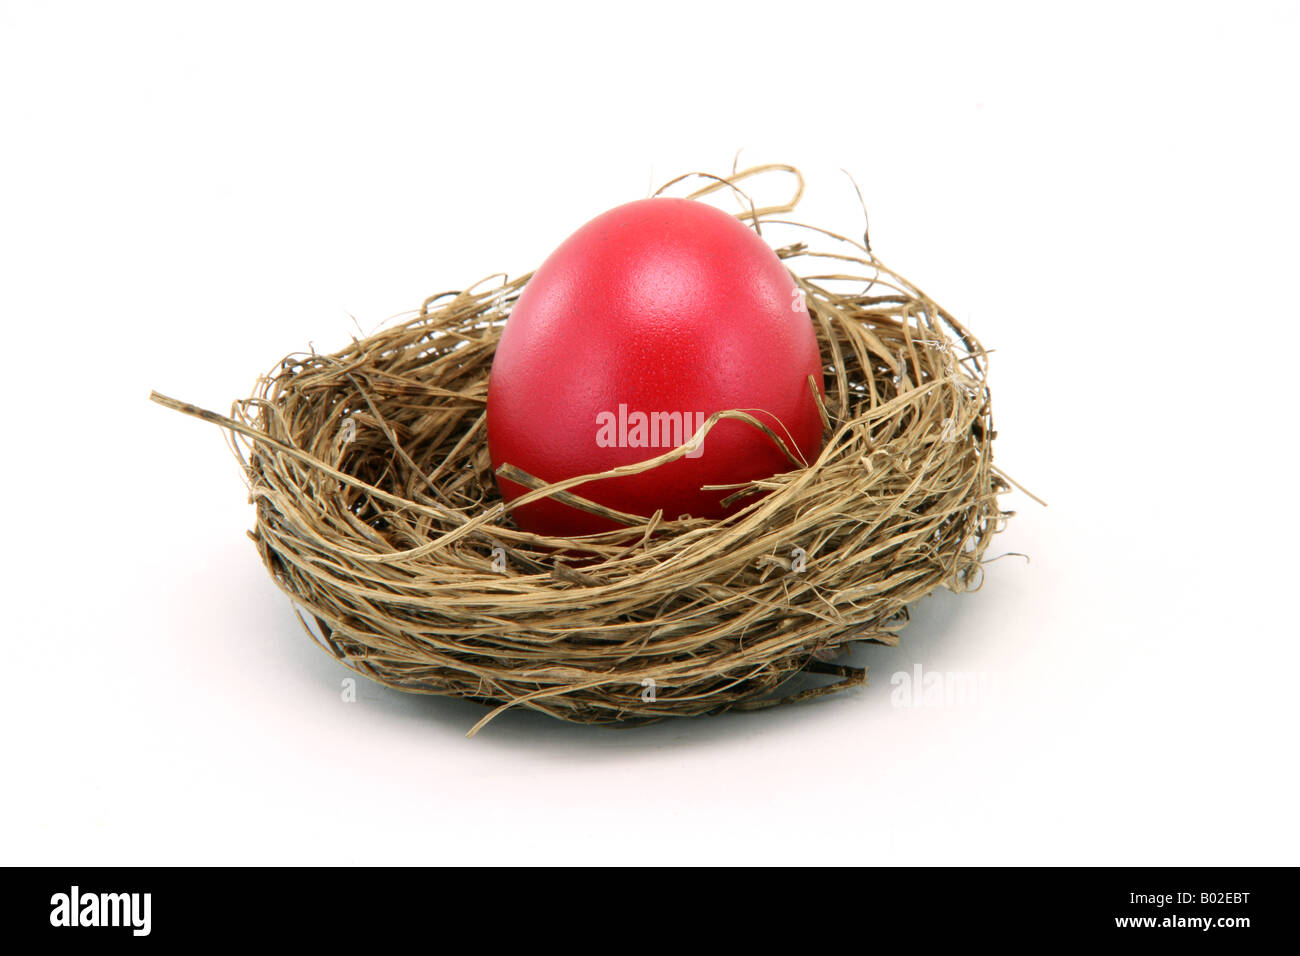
<point>1105,193</point>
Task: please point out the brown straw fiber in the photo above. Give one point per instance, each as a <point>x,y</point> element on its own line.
<point>378,513</point>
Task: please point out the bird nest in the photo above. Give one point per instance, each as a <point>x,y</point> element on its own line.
<point>378,513</point>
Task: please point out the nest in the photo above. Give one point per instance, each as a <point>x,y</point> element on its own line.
<point>378,513</point>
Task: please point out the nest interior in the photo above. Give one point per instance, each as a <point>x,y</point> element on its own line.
<point>377,513</point>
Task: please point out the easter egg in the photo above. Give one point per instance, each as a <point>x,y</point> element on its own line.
<point>637,328</point>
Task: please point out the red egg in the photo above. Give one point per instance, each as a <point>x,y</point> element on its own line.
<point>641,325</point>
